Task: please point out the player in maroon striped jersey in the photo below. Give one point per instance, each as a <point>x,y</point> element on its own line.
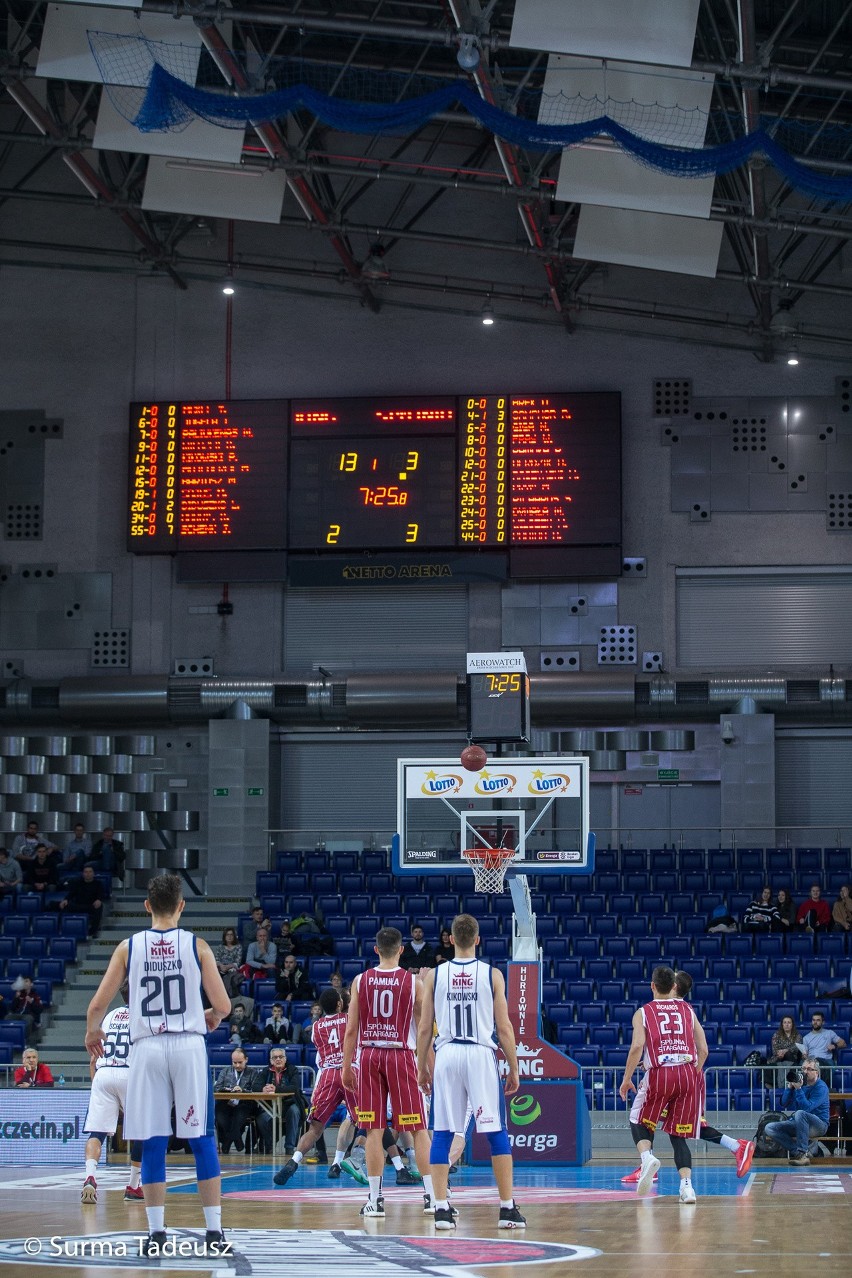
<point>668,1033</point>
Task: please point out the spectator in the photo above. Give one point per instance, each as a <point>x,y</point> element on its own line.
<point>841,911</point>
<point>40,874</point>
<point>277,1028</point>
<point>77,849</point>
<point>337,982</point>
<point>809,1102</point>
<point>293,984</point>
<point>819,1042</point>
<point>241,1028</point>
<point>233,1116</point>
<point>309,1022</point>
<point>787,1048</point>
<point>762,914</point>
<point>814,914</point>
<point>84,897</point>
<point>248,931</point>
<point>286,944</point>
<point>107,855</point>
<point>786,907</point>
<point>417,953</point>
<point>229,959</point>
<point>27,1007</point>
<point>10,873</point>
<point>261,958</point>
<point>30,1073</point>
<point>24,845</point>
<point>282,1076</point>
<point>446,951</point>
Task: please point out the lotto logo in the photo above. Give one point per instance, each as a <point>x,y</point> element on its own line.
<point>684,1129</point>
<point>366,1115</point>
<point>409,1120</point>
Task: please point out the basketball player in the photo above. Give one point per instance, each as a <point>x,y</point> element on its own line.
<point>166,968</point>
<point>742,1150</point>
<point>106,1099</point>
<point>669,1033</point>
<point>467,999</point>
<point>383,1015</point>
<point>327,1036</point>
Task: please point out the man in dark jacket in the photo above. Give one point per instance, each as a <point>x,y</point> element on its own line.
<point>293,985</point>
<point>84,897</point>
<point>282,1076</point>
<point>107,855</point>
<point>418,953</point>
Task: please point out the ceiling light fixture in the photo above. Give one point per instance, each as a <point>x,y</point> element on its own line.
<point>487,314</point>
<point>375,267</point>
<point>468,55</point>
<point>228,288</point>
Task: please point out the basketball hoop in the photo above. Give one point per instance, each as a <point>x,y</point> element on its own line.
<point>489,867</point>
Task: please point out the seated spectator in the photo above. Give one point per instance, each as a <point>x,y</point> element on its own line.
<point>248,931</point>
<point>721,920</point>
<point>107,855</point>
<point>762,914</point>
<point>286,944</point>
<point>809,1102</point>
<point>282,1076</point>
<point>41,874</point>
<point>24,845</point>
<point>417,953</point>
<point>84,897</point>
<point>277,1028</point>
<point>229,960</point>
<point>841,911</point>
<point>787,1048</point>
<point>77,850</point>
<point>821,1043</point>
<point>786,908</point>
<point>27,1007</point>
<point>30,1073</point>
<point>233,1116</point>
<point>446,951</point>
<point>293,984</point>
<point>308,1023</point>
<point>337,982</point>
<point>814,915</point>
<point>261,958</point>
<point>241,1028</point>
<point>10,873</point>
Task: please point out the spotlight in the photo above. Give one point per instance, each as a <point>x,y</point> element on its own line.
<point>468,53</point>
<point>487,314</point>
<point>793,357</point>
<point>375,267</point>
<point>228,289</point>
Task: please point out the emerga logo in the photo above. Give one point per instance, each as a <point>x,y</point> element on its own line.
<point>524,1110</point>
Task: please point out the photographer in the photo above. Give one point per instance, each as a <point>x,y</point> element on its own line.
<point>807,1097</point>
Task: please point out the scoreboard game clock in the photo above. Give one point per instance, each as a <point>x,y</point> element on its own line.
<point>498,697</point>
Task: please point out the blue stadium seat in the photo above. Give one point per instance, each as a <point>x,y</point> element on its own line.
<point>637,883</point>
<point>267,882</point>
<point>648,948</point>
<point>831,945</point>
<point>16,967</point>
<point>599,969</point>
<point>610,991</point>
<point>778,861</point>
<point>754,969</point>
<point>586,947</point>
<point>722,1014</point>
<point>738,903</point>
<point>756,1014</point>
<point>800,991</point>
<point>606,859</point>
<point>388,903</point>
<point>665,926</point>
<point>563,904</point>
<point>809,861</point>
<point>835,859</point>
<point>665,881</point>
<point>571,1036</point>
<point>721,861</point>
<point>496,949</point>
<point>634,860</point>
<point>557,947</point>
<point>29,903</point>
<point>399,921</point>
<point>32,947</point>
<point>445,905</point>
<point>359,903</point>
<point>706,992</point>
<point>679,950</point>
<point>724,969</point>
<point>63,947</point>
<point>681,902</point>
<point>622,903</point>
<point>711,1032</point>
<point>288,862</point>
<point>13,1033</point>
<point>300,903</point>
<point>346,947</point>
<point>693,881</point>
<point>720,1057</point>
<point>633,969</point>
<point>46,925</point>
<point>52,969</point>
<point>489,926</point>
<point>692,859</point>
<point>594,903</point>
<point>605,925</point>
<point>579,991</point>
<point>291,883</point>
<point>76,925</point>
<point>320,969</point>
<point>651,903</point>
<point>365,925</point>
<point>587,1056</point>
<point>349,883</point>
<point>568,969</point>
<point>338,925</point>
<point>708,946</point>
<point>769,991</point>
<point>272,905</point>
<point>738,992</point>
<point>608,883</point>
<point>737,946</point>
<point>801,944</point>
<point>707,901</point>
<point>324,882</point>
<point>8,947</point>
<point>607,1036</point>
<point>662,859</point>
<point>739,1036</point>
<point>562,1014</point>
<point>616,947</point>
<point>751,881</point>
<point>636,925</point>
<point>17,925</point>
<point>768,945</point>
<point>575,927</point>
<point>551,992</point>
<point>750,859</point>
<point>814,969</point>
<point>345,862</point>
<point>594,1014</point>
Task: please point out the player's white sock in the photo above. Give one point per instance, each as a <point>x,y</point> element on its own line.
<point>686,1182</point>
<point>297,1156</point>
<point>441,1204</point>
<point>156,1219</point>
<point>375,1188</point>
<point>507,1202</point>
<point>649,1153</point>
<point>398,1163</point>
<point>213,1218</point>
<point>135,1177</point>
<point>91,1166</point>
<point>727,1143</point>
<point>428,1188</point>
<point>339,1155</point>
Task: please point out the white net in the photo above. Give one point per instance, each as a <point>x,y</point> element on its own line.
<point>489,867</point>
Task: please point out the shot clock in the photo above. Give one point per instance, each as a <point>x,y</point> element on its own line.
<point>498,697</point>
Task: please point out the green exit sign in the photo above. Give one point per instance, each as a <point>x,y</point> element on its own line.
<point>255,791</point>
<point>221,792</point>
<point>668,774</point>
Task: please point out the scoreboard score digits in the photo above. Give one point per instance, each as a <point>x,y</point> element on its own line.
<point>397,473</point>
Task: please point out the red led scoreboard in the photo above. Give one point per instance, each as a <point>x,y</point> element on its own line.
<point>401,473</point>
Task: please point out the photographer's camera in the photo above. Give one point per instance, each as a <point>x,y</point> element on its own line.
<point>795,1076</point>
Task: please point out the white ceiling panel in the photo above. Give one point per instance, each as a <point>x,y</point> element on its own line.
<point>65,52</point>
<point>198,141</point>
<point>604,175</point>
<point>212,190</point>
<point>653,241</point>
<point>660,31</point>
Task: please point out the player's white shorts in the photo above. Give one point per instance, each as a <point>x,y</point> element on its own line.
<point>106,1099</point>
<point>167,1070</point>
<point>466,1078</point>
<point>639,1098</point>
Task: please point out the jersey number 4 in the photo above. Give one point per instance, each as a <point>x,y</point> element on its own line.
<point>165,995</point>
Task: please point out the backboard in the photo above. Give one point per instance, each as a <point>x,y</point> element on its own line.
<point>539,806</point>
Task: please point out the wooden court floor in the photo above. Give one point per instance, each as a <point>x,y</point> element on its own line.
<point>776,1222</point>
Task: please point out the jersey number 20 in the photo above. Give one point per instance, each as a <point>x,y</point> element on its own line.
<point>169,993</point>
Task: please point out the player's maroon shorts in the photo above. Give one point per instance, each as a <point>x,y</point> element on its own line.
<point>388,1073</point>
<point>328,1093</point>
<point>674,1101</point>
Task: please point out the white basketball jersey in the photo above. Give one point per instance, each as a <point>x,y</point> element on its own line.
<point>464,1003</point>
<point>116,1028</point>
<point>164,974</point>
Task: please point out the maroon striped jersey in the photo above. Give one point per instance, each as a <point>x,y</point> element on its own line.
<point>669,1037</point>
<point>386,1008</point>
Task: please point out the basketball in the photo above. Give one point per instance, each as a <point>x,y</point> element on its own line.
<point>473,758</point>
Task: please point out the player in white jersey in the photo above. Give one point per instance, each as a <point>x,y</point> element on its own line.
<point>166,969</point>
<point>106,1100</point>
<point>466,1000</point>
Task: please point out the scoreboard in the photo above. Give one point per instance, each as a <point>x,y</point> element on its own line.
<point>397,473</point>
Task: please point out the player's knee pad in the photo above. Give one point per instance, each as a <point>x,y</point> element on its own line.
<point>498,1143</point>
<point>639,1132</point>
<point>205,1155</point>
<point>681,1151</point>
<point>154,1160</point>
<point>101,1136</point>
<point>136,1151</point>
<point>440,1149</point>
<point>388,1138</point>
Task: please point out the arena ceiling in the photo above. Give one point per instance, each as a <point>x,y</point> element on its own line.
<point>447,217</point>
